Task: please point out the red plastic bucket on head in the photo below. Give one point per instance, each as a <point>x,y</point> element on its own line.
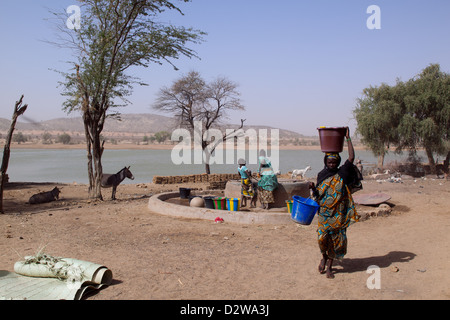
<point>332,139</point>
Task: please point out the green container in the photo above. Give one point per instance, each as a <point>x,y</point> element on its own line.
<point>220,203</point>
<point>289,205</point>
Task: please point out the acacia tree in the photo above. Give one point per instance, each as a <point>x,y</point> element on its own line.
<point>427,118</point>
<point>191,100</point>
<point>410,115</point>
<point>378,114</point>
<point>115,35</point>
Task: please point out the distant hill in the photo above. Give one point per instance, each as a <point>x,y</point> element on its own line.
<point>129,123</point>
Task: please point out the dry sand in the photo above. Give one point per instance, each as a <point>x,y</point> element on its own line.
<point>159,257</point>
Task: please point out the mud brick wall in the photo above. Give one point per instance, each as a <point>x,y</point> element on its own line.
<point>193,178</point>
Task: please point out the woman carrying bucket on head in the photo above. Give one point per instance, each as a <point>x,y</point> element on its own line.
<point>337,210</point>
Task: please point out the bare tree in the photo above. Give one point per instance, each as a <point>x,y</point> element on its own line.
<point>191,100</point>
<point>19,109</point>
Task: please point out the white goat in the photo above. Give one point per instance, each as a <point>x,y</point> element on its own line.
<point>299,172</point>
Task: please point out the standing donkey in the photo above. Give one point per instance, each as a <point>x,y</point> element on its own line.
<point>113,180</point>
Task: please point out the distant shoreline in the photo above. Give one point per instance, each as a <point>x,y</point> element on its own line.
<point>130,146</point>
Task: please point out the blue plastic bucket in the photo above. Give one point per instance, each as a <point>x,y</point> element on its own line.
<point>303,210</point>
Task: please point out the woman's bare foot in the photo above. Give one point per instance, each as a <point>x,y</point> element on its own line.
<point>330,274</point>
<point>322,264</point>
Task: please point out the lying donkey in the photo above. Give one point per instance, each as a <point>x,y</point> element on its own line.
<point>45,197</point>
<point>113,180</point>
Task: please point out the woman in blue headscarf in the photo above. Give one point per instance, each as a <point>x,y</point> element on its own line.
<point>337,209</point>
<point>267,183</point>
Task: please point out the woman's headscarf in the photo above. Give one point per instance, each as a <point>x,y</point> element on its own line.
<point>327,172</point>
<point>330,155</point>
<point>263,160</point>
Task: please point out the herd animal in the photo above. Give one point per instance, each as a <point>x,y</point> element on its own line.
<point>44,197</point>
<point>299,172</point>
<point>113,180</point>
<point>108,181</point>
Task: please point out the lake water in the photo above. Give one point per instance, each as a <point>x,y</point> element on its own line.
<point>68,166</point>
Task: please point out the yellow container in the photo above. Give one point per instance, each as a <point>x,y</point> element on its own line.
<point>233,204</point>
<point>289,205</point>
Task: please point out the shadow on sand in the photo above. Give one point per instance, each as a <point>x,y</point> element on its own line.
<point>361,264</point>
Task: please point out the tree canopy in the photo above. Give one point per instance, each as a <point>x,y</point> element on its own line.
<point>115,35</point>
<point>192,100</point>
<point>408,116</point>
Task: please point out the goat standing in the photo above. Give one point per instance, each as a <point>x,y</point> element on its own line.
<point>299,172</point>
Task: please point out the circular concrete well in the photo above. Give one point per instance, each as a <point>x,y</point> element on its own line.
<point>172,205</point>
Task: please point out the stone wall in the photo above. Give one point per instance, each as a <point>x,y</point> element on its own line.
<point>193,178</point>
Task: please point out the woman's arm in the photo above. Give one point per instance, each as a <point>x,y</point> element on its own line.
<point>351,151</point>
<point>249,175</point>
<point>318,191</point>
<point>312,186</point>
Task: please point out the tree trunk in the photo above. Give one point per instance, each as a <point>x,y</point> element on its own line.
<point>18,111</point>
<point>94,154</point>
<point>89,156</point>
<point>447,162</point>
<point>431,160</point>
<point>206,156</point>
<point>97,151</point>
<point>209,148</point>
<point>380,164</point>
<point>207,168</point>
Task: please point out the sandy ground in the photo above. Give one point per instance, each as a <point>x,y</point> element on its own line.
<point>158,257</point>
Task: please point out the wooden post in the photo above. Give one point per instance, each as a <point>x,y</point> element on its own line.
<point>18,111</point>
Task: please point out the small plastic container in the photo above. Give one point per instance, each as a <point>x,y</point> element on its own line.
<point>220,203</point>
<point>289,205</point>
<point>233,204</point>
<point>209,203</point>
<point>184,193</point>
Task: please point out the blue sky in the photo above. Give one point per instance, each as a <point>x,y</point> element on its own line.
<point>299,64</point>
